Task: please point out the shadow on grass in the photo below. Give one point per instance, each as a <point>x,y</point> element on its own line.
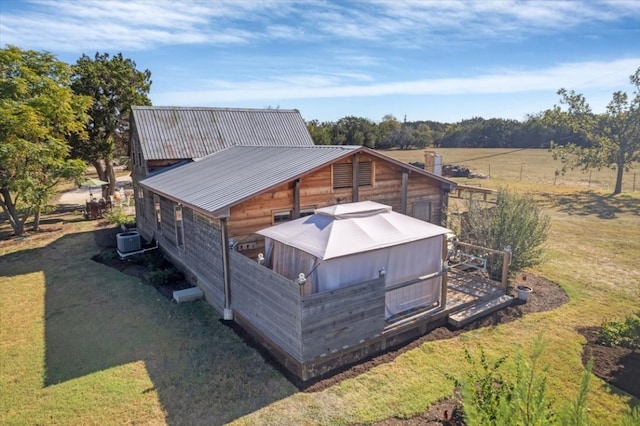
<point>589,203</point>
<point>97,319</point>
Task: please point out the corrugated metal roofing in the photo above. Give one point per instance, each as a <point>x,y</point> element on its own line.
<point>187,132</point>
<point>230,176</point>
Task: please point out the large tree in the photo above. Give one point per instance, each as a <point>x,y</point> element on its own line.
<point>38,111</point>
<point>115,84</point>
<point>614,136</point>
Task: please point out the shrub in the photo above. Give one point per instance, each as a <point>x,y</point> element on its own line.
<point>483,389</point>
<point>516,221</point>
<point>625,333</point>
<point>117,216</point>
<point>159,277</point>
<point>489,398</point>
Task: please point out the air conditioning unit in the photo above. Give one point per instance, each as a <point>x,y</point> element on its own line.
<point>128,241</point>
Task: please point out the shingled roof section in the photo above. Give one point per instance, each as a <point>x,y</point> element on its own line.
<point>192,133</point>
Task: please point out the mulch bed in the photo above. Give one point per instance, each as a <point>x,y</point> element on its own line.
<point>615,365</point>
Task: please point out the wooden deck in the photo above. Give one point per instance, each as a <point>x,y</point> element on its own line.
<point>464,291</point>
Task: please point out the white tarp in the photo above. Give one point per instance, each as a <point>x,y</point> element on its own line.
<point>350,243</point>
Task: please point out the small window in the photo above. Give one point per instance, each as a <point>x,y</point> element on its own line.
<point>143,211</point>
<point>156,204</point>
<point>281,216</point>
<point>343,174</point>
<point>179,226</point>
<point>307,211</point>
<point>422,210</point>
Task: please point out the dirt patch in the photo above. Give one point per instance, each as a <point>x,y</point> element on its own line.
<point>615,365</point>
<point>444,412</point>
<point>136,266</point>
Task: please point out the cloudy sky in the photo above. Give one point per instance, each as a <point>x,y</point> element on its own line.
<point>426,60</point>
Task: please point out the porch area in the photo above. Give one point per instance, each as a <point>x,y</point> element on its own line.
<point>311,335</point>
<point>469,296</point>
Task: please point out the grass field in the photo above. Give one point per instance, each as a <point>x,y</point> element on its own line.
<point>529,166</point>
<point>81,343</point>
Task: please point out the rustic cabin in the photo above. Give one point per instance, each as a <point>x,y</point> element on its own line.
<point>211,182</point>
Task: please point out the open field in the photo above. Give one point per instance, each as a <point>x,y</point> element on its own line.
<point>533,166</point>
<point>81,343</point>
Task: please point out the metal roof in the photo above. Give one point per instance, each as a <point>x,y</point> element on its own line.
<point>188,132</point>
<point>235,174</point>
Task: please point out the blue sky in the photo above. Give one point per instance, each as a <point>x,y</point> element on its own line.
<point>429,60</point>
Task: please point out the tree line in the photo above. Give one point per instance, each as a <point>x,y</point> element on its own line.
<point>477,132</point>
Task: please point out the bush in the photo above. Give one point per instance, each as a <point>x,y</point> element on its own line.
<point>516,222</point>
<point>161,277</point>
<point>625,333</point>
<point>489,398</point>
<point>483,389</point>
<point>117,216</point>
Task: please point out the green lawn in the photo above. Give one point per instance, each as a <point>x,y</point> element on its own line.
<point>81,343</point>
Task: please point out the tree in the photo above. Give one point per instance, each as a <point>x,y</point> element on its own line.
<point>320,132</point>
<point>115,85</point>
<point>614,135</point>
<point>515,222</point>
<point>38,111</point>
<point>389,129</point>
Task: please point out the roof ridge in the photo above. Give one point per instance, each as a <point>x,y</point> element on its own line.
<point>201,108</point>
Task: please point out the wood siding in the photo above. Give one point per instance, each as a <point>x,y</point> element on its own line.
<point>270,302</point>
<point>337,319</point>
<point>201,258</point>
<point>316,191</point>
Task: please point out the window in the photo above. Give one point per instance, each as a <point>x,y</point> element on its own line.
<point>179,226</point>
<point>422,210</point>
<point>281,216</point>
<point>156,204</point>
<point>307,211</point>
<point>140,202</point>
<point>343,174</point>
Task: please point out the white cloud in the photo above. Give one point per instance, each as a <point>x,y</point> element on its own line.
<point>118,24</point>
<point>585,76</point>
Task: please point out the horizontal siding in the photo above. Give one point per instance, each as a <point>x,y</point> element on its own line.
<point>334,320</point>
<point>270,302</point>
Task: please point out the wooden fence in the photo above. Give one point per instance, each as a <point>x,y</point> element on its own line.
<point>303,328</point>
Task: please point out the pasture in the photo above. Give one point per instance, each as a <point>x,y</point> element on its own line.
<point>81,343</point>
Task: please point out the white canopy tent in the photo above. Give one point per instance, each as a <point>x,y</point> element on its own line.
<point>351,243</point>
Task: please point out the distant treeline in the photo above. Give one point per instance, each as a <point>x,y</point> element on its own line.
<point>473,133</point>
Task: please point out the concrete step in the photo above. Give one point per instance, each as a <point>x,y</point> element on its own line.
<point>187,295</point>
<point>464,317</point>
